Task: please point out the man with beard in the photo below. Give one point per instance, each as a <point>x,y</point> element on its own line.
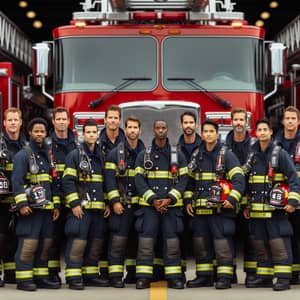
<point>240,142</point>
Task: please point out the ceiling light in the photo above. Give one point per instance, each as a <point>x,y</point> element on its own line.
<point>274,4</point>
<point>31,14</point>
<point>23,4</point>
<point>37,24</point>
<point>259,23</point>
<point>265,15</point>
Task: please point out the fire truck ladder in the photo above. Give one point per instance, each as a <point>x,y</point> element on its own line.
<point>123,10</point>
<point>14,44</point>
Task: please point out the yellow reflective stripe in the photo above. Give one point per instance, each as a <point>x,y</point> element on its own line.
<point>236,195</point>
<point>250,264</point>
<point>94,205</point>
<point>53,264</point>
<point>56,199</point>
<point>24,274</point>
<point>258,179</point>
<point>94,178</point>
<point>183,171</point>
<point>144,269</point>
<point>158,261</point>
<point>175,193</point>
<point>204,211</point>
<point>113,194</point>
<point>279,177</point>
<point>295,267</point>
<point>183,262</point>
<point>159,175</point>
<point>225,270</point>
<point>70,172</point>
<point>148,194</point>
<point>234,171</point>
<point>258,215</point>
<point>71,197</point>
<point>73,272</point>
<point>139,170</point>
<point>261,207</point>
<point>44,177</point>
<point>204,267</point>
<point>188,194</point>
<point>9,167</point>
<point>205,176</point>
<point>200,202</point>
<point>264,271</point>
<point>49,206</point>
<point>294,195</point>
<point>173,270</point>
<point>143,202</point>
<point>116,269</point>
<point>134,200</point>
<point>244,200</point>
<point>60,167</point>
<point>90,270</point>
<point>20,198</point>
<point>103,264</point>
<point>282,269</point>
<point>40,271</point>
<point>110,166</point>
<point>9,266</point>
<point>130,173</point>
<point>130,262</point>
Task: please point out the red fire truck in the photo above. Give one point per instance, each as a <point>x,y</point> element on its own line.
<point>157,59</point>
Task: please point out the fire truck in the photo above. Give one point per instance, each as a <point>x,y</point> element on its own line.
<point>156,59</point>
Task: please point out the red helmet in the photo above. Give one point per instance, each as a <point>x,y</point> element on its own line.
<point>219,191</point>
<point>279,195</point>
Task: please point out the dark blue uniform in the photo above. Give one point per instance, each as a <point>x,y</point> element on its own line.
<point>85,236</point>
<point>270,226</point>
<point>60,149</point>
<point>8,241</point>
<point>213,226</point>
<point>35,231</point>
<point>121,188</point>
<point>158,183</point>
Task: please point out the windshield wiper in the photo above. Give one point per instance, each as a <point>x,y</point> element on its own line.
<point>197,86</point>
<point>125,83</point>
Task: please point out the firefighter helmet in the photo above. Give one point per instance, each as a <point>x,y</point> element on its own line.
<point>219,192</point>
<point>36,196</point>
<point>279,195</point>
<point>4,184</point>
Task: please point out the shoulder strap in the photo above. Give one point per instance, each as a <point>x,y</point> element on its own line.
<point>148,163</point>
<point>121,158</point>
<point>33,166</point>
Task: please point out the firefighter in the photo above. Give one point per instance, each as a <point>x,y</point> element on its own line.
<point>110,136</point>
<point>61,142</point>
<point>269,203</point>
<point>188,142</point>
<point>161,178</point>
<point>11,142</point>
<point>123,199</point>
<point>240,142</point>
<point>211,201</point>
<point>31,182</point>
<point>289,138</point>
<point>85,226</point>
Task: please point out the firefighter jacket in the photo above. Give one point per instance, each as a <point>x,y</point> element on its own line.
<point>183,146</point>
<point>22,178</point>
<point>260,184</point>
<point>205,175</point>
<point>60,150</point>
<point>80,189</point>
<point>120,186</point>
<point>13,148</point>
<point>240,149</point>
<point>159,182</point>
<point>106,145</point>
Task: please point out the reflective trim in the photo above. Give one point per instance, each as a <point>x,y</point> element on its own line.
<point>148,194</point>
<point>103,264</point>
<point>70,172</point>
<point>139,170</point>
<point>235,171</point>
<point>258,179</point>
<point>44,177</point>
<point>9,266</point>
<point>9,167</point>
<point>295,267</point>
<point>94,178</point>
<point>116,269</point>
<point>71,197</point>
<point>60,167</point>
<point>188,194</point>
<point>72,272</point>
<point>40,271</point>
<point>261,207</point>
<point>210,176</point>
<point>294,195</point>
<point>53,264</point>
<point>90,270</point>
<point>265,271</point>
<point>173,270</point>
<point>113,194</point>
<point>130,262</point>
<point>144,270</point>
<point>204,211</point>
<point>158,261</point>
<point>250,264</point>
<point>56,199</point>
<point>183,171</point>
<point>110,166</point>
<point>204,267</point>
<point>236,195</point>
<point>258,215</point>
<point>279,177</point>
<point>20,198</point>
<point>94,205</point>
<point>159,175</point>
<point>282,269</point>
<point>175,193</point>
<point>24,274</point>
<point>244,200</point>
<point>225,270</point>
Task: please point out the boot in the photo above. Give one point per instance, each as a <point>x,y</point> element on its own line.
<point>2,284</point>
<point>130,277</point>
<point>176,283</point>
<point>295,279</point>
<point>116,282</point>
<point>46,283</point>
<point>250,277</point>
<point>76,284</point>
<point>200,281</point>
<point>282,284</point>
<point>54,277</point>
<point>223,283</point>
<point>142,283</point>
<point>9,277</point>
<point>96,281</point>
<point>260,283</point>
<point>27,286</point>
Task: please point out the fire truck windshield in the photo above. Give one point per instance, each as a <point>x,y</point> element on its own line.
<point>101,63</point>
<point>216,63</point>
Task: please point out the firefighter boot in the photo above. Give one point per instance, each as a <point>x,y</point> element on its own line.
<point>142,283</point>
<point>2,283</point>
<point>96,281</point>
<point>27,286</point>
<point>281,284</point>
<point>116,282</point>
<point>130,277</point>
<point>295,279</point>
<point>260,283</point>
<point>223,283</point>
<point>200,281</point>
<point>46,283</point>
<point>9,277</point>
<point>175,283</point>
<point>76,284</point>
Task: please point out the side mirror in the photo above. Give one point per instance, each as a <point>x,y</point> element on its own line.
<point>41,62</point>
<point>278,59</point>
